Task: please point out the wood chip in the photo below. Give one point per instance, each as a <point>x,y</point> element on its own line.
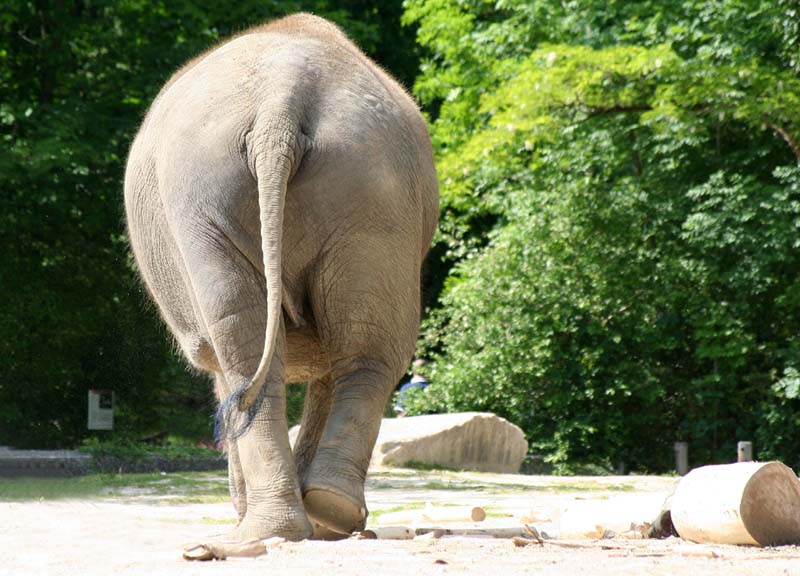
<point>581,545</point>
<point>520,542</point>
<point>532,517</point>
<point>700,553</point>
<point>478,514</point>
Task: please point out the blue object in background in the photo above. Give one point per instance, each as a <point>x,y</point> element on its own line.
<point>416,381</point>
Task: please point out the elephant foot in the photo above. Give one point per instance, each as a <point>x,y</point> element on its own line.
<point>253,536</point>
<point>322,533</point>
<point>292,526</point>
<point>334,510</point>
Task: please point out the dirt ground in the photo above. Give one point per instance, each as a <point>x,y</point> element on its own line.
<point>144,533</point>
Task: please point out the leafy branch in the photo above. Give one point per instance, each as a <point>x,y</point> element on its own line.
<point>792,142</point>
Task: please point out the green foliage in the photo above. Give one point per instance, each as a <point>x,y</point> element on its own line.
<point>173,448</point>
<point>619,233</point>
<point>186,487</point>
<point>295,397</point>
<point>621,209</point>
<point>75,80</point>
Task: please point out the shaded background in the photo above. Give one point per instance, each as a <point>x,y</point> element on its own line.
<point>76,78</point>
<point>617,265</point>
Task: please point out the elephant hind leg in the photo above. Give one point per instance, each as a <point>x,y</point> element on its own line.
<point>368,313</point>
<point>231,298</point>
<point>333,487</point>
<point>236,483</point>
<point>163,271</point>
<point>200,352</point>
<point>316,408</point>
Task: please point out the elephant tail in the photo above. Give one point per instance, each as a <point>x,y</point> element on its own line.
<point>275,161</point>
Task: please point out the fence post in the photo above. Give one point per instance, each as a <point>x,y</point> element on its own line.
<point>744,452</point>
<point>682,458</point>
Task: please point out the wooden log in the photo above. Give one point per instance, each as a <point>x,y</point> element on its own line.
<point>602,518</point>
<point>453,514</point>
<point>434,514</point>
<point>392,532</point>
<point>745,503</point>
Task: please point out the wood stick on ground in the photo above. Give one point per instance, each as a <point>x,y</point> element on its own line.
<point>477,532</point>
<point>392,532</point>
<point>601,545</point>
<point>519,541</point>
<point>223,550</point>
<point>533,532</point>
<point>434,514</point>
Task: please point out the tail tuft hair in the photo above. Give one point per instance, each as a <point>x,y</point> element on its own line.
<point>230,422</point>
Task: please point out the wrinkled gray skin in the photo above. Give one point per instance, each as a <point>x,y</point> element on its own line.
<point>280,198</point>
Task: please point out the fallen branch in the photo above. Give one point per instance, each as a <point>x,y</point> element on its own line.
<point>222,550</point>
<point>531,530</point>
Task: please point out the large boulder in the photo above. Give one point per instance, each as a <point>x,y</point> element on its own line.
<point>466,440</point>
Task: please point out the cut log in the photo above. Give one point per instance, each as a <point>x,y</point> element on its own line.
<point>745,503</point>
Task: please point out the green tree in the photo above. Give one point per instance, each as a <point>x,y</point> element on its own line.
<point>75,80</point>
<point>620,203</point>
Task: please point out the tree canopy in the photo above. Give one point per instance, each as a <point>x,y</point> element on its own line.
<point>617,263</point>
<point>621,207</point>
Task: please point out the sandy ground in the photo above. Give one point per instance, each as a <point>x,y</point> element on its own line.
<point>145,534</point>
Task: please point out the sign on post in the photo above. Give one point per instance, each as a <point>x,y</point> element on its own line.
<point>101,410</point>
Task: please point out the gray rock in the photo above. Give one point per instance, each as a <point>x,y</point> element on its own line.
<point>464,441</point>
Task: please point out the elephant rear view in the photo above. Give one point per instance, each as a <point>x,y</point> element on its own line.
<point>280,198</point>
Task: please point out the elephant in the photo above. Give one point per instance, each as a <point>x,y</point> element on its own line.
<point>280,198</point>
